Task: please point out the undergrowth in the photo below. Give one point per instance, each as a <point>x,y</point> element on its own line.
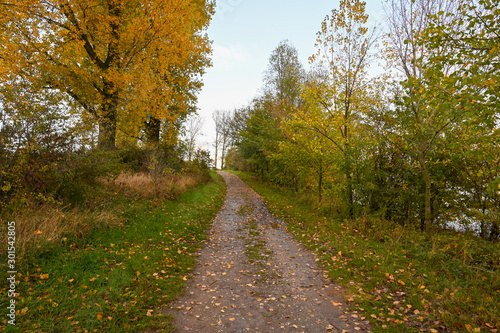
<point>116,274</point>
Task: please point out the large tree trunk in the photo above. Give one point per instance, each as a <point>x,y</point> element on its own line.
<point>216,147</point>
<point>152,129</point>
<point>107,124</point>
<point>107,135</point>
<point>350,195</point>
<point>223,153</point>
<point>320,181</point>
<point>107,117</point>
<point>348,175</point>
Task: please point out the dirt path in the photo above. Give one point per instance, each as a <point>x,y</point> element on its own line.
<point>253,277</point>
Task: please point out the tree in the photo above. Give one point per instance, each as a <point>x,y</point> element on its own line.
<point>284,74</point>
<point>334,105</point>
<point>464,66</point>
<point>119,60</point>
<point>418,122</point>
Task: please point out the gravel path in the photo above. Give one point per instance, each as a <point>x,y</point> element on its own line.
<point>252,276</point>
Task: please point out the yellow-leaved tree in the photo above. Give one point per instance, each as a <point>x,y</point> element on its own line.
<point>126,63</point>
<point>335,100</point>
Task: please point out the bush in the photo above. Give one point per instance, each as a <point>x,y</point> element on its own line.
<point>79,174</point>
<point>139,160</point>
<point>43,175</point>
<point>200,165</point>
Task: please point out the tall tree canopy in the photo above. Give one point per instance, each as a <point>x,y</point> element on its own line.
<point>284,74</point>
<point>125,62</point>
<point>336,101</point>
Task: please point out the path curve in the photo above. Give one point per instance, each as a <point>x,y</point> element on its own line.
<point>252,276</point>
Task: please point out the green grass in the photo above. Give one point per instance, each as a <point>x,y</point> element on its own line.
<point>400,279</point>
<point>116,280</point>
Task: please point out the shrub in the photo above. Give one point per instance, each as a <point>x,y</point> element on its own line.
<point>200,165</point>
<point>37,176</point>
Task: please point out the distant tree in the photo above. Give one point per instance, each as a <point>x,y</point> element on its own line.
<point>284,74</point>
<point>217,118</point>
<point>464,66</point>
<point>334,105</point>
<point>192,130</point>
<point>418,121</point>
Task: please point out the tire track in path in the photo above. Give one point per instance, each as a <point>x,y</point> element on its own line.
<point>252,276</point>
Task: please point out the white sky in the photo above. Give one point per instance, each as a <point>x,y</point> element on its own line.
<point>244,33</point>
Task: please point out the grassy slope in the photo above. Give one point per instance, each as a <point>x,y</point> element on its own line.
<point>402,280</point>
<point>115,280</point>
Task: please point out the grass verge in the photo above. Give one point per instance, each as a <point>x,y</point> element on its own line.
<point>402,280</point>
<point>114,279</point>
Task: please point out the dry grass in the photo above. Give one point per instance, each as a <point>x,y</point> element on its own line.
<point>167,186</point>
<point>50,224</point>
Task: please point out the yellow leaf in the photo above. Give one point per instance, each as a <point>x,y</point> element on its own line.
<point>468,327</point>
<point>44,276</point>
<point>38,232</point>
<point>99,316</point>
<point>401,282</point>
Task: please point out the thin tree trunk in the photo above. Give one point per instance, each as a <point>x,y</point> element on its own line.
<point>110,94</point>
<point>107,120</point>
<point>427,201</point>
<point>107,135</point>
<point>216,148</point>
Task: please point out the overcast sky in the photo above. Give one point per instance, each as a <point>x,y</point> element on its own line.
<point>244,33</point>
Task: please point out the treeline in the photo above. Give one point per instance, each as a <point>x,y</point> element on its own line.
<point>90,88</point>
<point>417,144</point>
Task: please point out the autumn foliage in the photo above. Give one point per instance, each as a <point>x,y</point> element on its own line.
<point>414,141</point>
<point>120,64</point>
